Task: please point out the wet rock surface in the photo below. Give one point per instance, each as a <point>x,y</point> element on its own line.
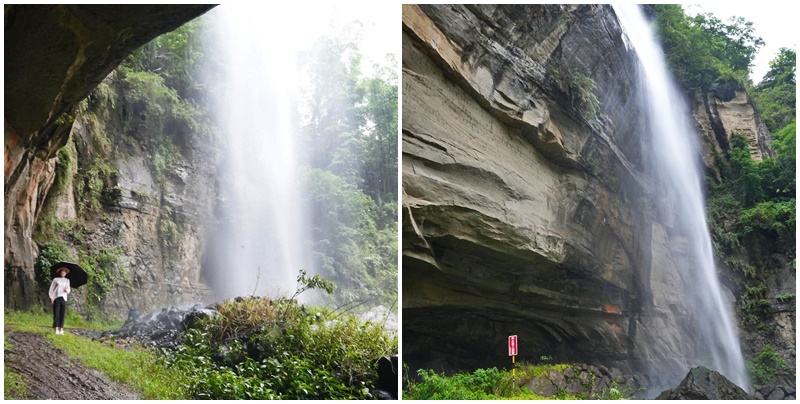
<point>704,384</point>
<point>159,329</point>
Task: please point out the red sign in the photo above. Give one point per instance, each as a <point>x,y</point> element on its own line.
<point>512,345</point>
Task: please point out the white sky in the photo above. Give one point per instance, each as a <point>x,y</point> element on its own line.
<point>381,24</point>
<point>775,25</point>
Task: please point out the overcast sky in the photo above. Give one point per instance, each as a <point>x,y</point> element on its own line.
<point>777,26</point>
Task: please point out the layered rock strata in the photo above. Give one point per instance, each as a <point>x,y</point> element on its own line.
<point>529,208</point>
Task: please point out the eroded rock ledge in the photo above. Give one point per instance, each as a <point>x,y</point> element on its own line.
<point>524,213</point>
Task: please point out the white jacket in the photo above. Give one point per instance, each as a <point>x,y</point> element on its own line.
<point>59,288</point>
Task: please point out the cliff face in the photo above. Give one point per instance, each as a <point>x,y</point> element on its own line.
<point>156,221</point>
<point>528,203</point>
<point>56,55</point>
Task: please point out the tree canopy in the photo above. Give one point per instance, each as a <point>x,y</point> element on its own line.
<point>704,51</point>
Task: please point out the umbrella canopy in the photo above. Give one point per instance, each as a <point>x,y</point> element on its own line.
<point>77,276</point>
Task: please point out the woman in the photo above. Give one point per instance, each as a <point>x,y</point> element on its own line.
<point>59,290</point>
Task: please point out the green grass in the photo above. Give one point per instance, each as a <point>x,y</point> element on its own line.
<point>30,321</point>
<point>496,384</point>
<point>138,368</point>
<point>13,388</point>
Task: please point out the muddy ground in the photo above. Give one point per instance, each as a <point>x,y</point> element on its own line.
<point>49,374</point>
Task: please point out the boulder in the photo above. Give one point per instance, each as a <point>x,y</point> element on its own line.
<point>704,384</point>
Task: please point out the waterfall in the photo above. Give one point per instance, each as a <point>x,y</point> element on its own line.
<point>676,166</point>
<point>260,243</point>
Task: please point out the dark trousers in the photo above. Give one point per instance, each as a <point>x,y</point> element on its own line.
<point>59,311</point>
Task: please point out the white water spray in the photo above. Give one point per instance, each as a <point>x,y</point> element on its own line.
<point>672,136</point>
<point>261,243</point>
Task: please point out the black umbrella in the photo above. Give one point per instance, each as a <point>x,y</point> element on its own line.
<point>77,276</point>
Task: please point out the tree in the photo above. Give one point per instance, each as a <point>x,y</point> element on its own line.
<point>775,96</point>
<point>703,50</point>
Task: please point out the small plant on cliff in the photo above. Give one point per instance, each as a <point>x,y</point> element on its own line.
<point>105,271</point>
<point>584,98</point>
<point>766,365</point>
<point>167,232</point>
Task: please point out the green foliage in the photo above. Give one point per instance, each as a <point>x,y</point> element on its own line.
<point>13,385</point>
<point>490,384</point>
<point>753,304</point>
<point>50,253</point>
<point>775,96</point>
<point>349,248</point>
<point>704,52</point>
<point>479,385</point>
<point>49,229</point>
<point>754,206</point>
<point>105,272</point>
<point>614,393</point>
<point>784,141</point>
<point>65,167</point>
<point>258,348</point>
<point>167,231</point>
<point>584,99</point>
<point>766,365</point>
<point>98,186</point>
<point>351,130</point>
<point>176,56</point>
<point>379,168</point>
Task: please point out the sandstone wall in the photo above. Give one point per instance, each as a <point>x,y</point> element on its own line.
<point>527,212</point>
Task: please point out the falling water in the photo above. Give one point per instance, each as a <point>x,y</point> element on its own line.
<point>259,246</point>
<point>672,134</point>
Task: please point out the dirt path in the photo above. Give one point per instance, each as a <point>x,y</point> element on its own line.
<point>49,374</point>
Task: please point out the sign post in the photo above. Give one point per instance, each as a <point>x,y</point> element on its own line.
<point>512,352</point>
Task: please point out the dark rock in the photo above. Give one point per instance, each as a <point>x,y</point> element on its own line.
<point>542,386</point>
<point>664,395</point>
<point>387,376</point>
<point>790,390</point>
<point>163,329</point>
<point>569,373</point>
<point>575,387</point>
<point>595,370</point>
<point>557,378</point>
<point>704,384</point>
<point>616,375</point>
<point>383,395</point>
<point>777,394</point>
<point>758,396</point>
<point>789,398</point>
<point>586,378</point>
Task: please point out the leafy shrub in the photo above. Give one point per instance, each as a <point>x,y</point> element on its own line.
<point>260,348</point>
<point>479,385</point>
<point>105,272</point>
<point>50,253</point>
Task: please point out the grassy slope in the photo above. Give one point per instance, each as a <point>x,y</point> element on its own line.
<point>139,369</point>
